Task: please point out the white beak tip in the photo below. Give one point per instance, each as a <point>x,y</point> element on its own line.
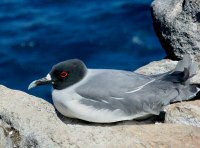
<point>32,85</point>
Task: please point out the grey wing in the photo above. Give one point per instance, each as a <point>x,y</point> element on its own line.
<point>130,92</point>
<point>134,93</point>
<point>112,83</point>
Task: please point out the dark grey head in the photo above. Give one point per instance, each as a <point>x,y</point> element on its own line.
<point>63,74</point>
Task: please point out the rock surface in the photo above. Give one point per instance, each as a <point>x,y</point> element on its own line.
<point>28,121</point>
<point>177,24</point>
<point>157,67</point>
<point>187,113</point>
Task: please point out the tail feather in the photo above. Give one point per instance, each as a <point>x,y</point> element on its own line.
<point>187,67</point>
<point>184,70</point>
<point>186,62</point>
<point>186,93</point>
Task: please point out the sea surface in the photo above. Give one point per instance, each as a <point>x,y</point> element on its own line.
<point>36,34</point>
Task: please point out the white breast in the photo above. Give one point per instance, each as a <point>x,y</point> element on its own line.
<point>66,98</point>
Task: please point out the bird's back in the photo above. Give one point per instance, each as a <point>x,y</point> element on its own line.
<point>135,93</point>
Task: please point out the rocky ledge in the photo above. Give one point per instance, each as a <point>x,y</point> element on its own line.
<point>28,121</point>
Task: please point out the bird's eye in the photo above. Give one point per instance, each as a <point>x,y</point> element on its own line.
<point>64,74</point>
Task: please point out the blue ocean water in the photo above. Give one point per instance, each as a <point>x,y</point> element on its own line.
<point>36,34</point>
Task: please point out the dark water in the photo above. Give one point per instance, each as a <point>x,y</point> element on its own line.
<point>36,34</point>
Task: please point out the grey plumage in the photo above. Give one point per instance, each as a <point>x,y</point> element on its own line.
<point>156,91</point>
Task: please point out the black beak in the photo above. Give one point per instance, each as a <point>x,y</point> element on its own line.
<point>42,81</point>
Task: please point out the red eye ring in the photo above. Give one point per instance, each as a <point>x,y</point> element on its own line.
<point>64,74</point>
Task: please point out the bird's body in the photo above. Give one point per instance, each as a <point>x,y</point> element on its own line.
<point>105,95</point>
<point>103,100</point>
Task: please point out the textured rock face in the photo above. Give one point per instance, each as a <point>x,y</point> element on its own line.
<point>187,113</point>
<point>157,67</point>
<point>27,121</point>
<point>177,24</point>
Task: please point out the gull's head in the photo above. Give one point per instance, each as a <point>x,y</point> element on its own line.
<point>63,74</point>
